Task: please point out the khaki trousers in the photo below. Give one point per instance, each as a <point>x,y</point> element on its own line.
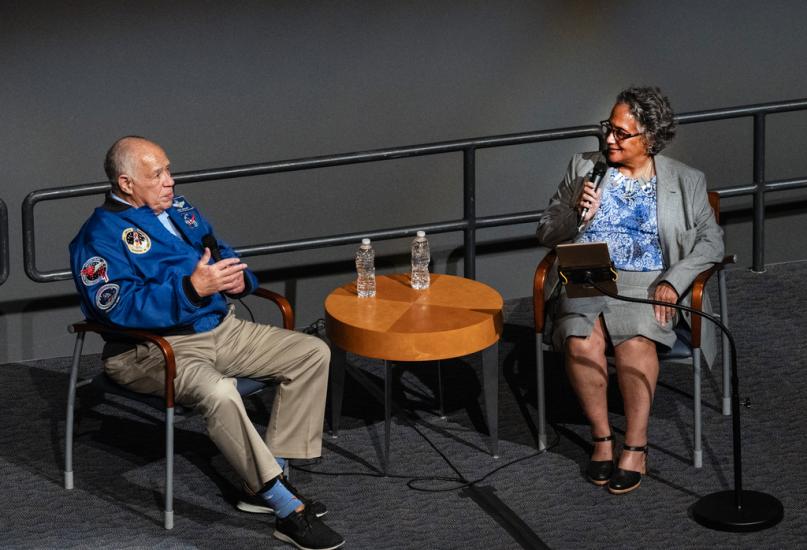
<point>207,365</point>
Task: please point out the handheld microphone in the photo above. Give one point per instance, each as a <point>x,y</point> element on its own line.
<point>210,242</point>
<point>596,178</point>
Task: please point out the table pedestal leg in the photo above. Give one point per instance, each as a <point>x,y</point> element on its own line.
<point>336,384</point>
<point>387,410</point>
<point>490,374</point>
<point>440,390</point>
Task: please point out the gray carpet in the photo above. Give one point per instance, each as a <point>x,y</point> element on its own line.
<point>541,499</point>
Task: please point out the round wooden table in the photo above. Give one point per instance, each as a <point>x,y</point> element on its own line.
<point>451,318</point>
<point>454,317</point>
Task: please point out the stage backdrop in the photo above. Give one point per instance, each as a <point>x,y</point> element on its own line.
<point>230,83</point>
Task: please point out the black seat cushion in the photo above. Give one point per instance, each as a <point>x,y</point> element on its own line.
<point>682,349</point>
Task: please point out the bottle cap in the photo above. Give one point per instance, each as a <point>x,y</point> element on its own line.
<point>421,234</point>
<point>365,241</point>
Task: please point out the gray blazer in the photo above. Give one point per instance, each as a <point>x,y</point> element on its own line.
<point>691,240</point>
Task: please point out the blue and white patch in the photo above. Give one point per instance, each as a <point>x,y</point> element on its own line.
<point>107,296</point>
<point>94,271</point>
<point>182,205</point>
<point>136,240</point>
<point>190,220</point>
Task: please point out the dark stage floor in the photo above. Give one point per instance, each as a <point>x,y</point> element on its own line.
<point>520,499</point>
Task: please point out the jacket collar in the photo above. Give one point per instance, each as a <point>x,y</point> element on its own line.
<point>114,205</point>
<point>664,173</point>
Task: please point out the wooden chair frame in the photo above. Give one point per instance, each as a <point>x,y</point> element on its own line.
<point>82,328</point>
<point>694,348</point>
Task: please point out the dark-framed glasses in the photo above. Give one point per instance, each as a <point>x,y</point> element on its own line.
<point>619,133</point>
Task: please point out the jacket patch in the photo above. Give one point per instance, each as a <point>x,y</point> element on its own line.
<point>107,296</point>
<point>136,240</point>
<point>182,205</point>
<point>94,271</point>
<point>190,220</point>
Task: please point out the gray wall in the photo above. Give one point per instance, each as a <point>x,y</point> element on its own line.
<point>228,83</point>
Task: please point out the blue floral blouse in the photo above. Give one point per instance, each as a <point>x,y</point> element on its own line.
<point>626,220</point>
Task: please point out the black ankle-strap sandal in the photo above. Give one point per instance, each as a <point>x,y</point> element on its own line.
<point>625,481</point>
<point>600,471</point>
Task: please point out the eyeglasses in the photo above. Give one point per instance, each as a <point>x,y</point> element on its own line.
<point>619,133</point>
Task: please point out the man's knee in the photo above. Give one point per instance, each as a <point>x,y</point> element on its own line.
<point>213,395</point>
<point>320,352</point>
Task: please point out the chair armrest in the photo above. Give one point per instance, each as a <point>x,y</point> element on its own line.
<point>162,343</point>
<point>538,282</point>
<point>697,295</point>
<point>285,307</point>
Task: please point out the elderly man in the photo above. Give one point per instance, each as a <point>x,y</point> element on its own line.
<point>143,260</point>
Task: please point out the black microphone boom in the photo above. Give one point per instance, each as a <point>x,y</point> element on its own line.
<point>739,510</point>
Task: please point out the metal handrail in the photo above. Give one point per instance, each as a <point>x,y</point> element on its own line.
<point>3,242</point>
<point>467,224</point>
<point>470,222</point>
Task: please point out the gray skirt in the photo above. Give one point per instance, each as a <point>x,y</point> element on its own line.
<point>623,320</point>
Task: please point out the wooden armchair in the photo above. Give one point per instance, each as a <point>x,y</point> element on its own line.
<point>246,387</point>
<point>687,346</point>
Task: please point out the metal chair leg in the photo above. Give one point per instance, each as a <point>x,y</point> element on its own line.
<point>724,316</point>
<point>696,396</point>
<point>541,397</point>
<point>71,407</point>
<point>169,468</point>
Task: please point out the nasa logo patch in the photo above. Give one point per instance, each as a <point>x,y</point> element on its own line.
<point>94,271</point>
<point>107,296</point>
<point>136,240</point>
<point>190,220</point>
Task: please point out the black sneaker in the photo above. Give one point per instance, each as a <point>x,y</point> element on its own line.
<point>312,506</point>
<point>307,532</point>
<point>254,504</point>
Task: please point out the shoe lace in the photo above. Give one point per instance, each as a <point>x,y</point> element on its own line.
<point>303,522</point>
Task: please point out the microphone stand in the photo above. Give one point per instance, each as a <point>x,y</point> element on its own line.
<point>738,510</point>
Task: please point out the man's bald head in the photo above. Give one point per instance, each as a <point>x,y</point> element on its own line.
<point>140,173</point>
<point>119,158</point>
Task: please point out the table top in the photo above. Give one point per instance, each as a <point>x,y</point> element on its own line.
<point>452,318</point>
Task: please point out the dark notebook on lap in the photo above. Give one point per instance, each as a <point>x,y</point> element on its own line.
<point>576,262</point>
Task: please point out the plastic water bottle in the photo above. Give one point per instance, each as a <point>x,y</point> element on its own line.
<point>365,270</point>
<point>420,262</point>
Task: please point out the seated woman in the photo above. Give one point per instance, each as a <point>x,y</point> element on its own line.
<point>661,232</point>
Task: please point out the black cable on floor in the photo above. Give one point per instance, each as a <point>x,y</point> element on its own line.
<point>483,496</point>
<point>461,481</point>
<point>316,328</point>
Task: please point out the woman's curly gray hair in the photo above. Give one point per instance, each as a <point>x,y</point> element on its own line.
<point>653,112</point>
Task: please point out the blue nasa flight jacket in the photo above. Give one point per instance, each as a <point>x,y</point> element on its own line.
<point>132,272</point>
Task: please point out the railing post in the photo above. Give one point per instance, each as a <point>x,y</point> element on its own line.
<point>759,194</point>
<point>3,242</point>
<point>469,210</point>
<point>28,239</point>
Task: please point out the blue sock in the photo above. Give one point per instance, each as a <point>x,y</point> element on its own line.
<point>282,463</point>
<point>280,499</point>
